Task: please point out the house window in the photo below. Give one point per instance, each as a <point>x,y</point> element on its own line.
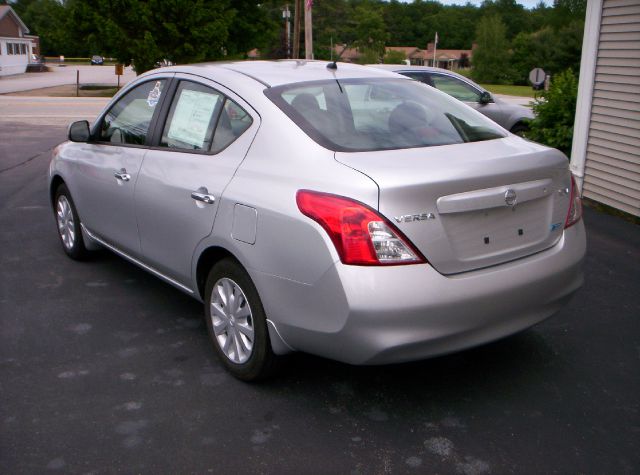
<point>9,48</point>
<point>23,49</point>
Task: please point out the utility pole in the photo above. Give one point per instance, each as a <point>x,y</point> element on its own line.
<point>308,30</point>
<point>435,47</point>
<point>286,14</point>
<point>296,28</point>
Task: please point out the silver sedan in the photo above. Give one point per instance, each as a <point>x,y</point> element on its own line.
<point>334,209</point>
<point>512,117</point>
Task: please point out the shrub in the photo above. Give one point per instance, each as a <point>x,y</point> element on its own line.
<point>394,57</point>
<point>555,112</point>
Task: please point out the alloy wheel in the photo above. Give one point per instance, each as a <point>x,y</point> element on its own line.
<point>66,222</point>
<point>232,320</point>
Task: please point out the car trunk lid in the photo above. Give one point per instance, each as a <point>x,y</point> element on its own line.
<point>469,206</point>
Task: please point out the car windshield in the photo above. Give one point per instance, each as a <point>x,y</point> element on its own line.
<point>380,114</point>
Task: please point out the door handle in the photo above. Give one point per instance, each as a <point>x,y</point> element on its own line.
<point>122,175</point>
<point>202,194</point>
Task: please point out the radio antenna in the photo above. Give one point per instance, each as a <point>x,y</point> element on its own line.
<point>332,64</point>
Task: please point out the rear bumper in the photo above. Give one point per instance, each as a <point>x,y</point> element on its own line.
<point>379,315</point>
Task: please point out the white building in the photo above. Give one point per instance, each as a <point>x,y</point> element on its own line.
<point>16,46</point>
<point>606,139</point>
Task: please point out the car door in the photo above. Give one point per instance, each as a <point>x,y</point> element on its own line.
<point>109,164</point>
<point>468,94</point>
<point>205,137</point>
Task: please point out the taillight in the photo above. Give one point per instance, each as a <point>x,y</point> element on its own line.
<point>575,205</point>
<point>361,236</point>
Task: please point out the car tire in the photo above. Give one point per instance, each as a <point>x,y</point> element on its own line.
<point>237,323</point>
<point>68,224</point>
<point>520,130</point>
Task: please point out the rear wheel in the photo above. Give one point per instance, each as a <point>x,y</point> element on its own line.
<point>520,130</point>
<point>68,222</point>
<point>236,322</point>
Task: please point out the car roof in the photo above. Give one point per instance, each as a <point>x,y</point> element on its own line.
<point>405,67</point>
<point>277,73</point>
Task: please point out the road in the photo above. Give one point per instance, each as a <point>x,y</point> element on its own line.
<point>519,100</point>
<point>60,75</point>
<point>105,369</point>
<point>24,120</point>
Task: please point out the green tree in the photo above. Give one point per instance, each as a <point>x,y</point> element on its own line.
<point>332,23</point>
<point>514,16</point>
<point>567,47</point>
<point>531,50</point>
<point>549,49</point>
<point>491,58</point>
<point>540,16</point>
<point>400,24</point>
<point>455,26</point>
<point>370,31</point>
<point>251,27</point>
<point>47,19</point>
<point>182,31</point>
<point>555,113</point>
<point>566,11</point>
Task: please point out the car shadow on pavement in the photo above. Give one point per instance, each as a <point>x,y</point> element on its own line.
<point>506,366</point>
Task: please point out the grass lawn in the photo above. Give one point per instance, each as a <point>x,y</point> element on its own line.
<point>524,91</point>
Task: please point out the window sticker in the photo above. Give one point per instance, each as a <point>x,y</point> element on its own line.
<point>154,95</point>
<point>192,116</point>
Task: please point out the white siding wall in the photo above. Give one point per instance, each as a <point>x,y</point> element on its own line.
<point>13,63</point>
<point>612,167</point>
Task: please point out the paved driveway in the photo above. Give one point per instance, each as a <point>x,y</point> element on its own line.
<point>105,369</point>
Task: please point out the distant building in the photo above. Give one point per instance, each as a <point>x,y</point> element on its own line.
<point>253,54</point>
<point>445,58</point>
<point>413,54</point>
<point>16,45</point>
<point>605,156</point>
<point>345,54</point>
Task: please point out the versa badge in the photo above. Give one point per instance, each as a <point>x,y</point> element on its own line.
<point>408,218</point>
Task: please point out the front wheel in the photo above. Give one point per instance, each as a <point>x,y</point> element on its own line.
<point>68,222</point>
<point>237,324</point>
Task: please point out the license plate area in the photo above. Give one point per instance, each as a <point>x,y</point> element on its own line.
<point>487,233</point>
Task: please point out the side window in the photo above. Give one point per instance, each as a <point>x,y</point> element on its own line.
<point>422,77</point>
<point>311,97</point>
<point>192,117</point>
<point>456,88</point>
<point>233,121</point>
<point>128,121</point>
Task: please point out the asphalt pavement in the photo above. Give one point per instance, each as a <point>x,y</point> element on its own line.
<point>61,75</point>
<point>105,369</point>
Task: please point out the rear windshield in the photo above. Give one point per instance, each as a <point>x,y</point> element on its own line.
<point>357,115</point>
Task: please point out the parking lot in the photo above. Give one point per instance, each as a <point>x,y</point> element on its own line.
<point>105,369</point>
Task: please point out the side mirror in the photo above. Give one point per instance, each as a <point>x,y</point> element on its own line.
<point>79,131</point>
<point>485,98</point>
